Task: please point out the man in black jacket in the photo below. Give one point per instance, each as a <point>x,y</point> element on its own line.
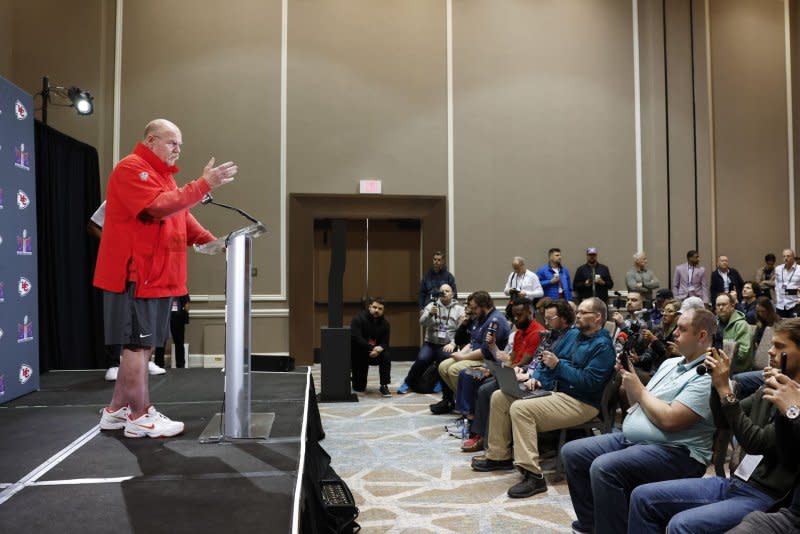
<point>433,280</point>
<point>592,279</point>
<point>369,345</point>
<point>725,279</point>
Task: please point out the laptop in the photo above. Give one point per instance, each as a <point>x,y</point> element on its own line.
<point>507,379</point>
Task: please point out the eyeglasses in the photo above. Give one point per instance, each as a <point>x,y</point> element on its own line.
<point>172,144</point>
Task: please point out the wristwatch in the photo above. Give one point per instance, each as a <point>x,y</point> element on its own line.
<point>792,412</point>
<point>728,400</point>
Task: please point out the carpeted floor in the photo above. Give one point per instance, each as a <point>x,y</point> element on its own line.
<point>409,476</point>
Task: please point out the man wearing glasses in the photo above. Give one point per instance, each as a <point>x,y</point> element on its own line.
<point>141,266</point>
<point>573,381</point>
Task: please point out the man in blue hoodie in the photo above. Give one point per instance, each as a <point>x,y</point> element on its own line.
<point>576,376</point>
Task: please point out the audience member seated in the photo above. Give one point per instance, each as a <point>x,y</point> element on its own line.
<point>787,285</point>
<point>640,279</point>
<point>663,295</point>
<point>749,381</point>
<point>369,345</point>
<point>765,277</point>
<point>473,354</point>
<point>525,341</point>
<point>433,280</point>
<point>717,504</point>
<point>667,434</point>
<point>581,370</point>
<point>592,279</point>
<point>439,321</point>
<point>660,343</point>
<point>784,394</point>
<point>689,279</point>
<point>747,305</point>
<point>628,332</point>
<point>725,279</point>
<point>555,277</point>
<point>735,328</point>
<point>558,318</point>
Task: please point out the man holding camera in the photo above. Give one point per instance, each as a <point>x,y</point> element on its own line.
<point>787,285</point>
<point>440,320</point>
<point>666,435</point>
<point>522,282</point>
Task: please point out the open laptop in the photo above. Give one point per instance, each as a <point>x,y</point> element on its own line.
<point>507,379</point>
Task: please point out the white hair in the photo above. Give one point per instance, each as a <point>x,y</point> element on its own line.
<point>638,255</point>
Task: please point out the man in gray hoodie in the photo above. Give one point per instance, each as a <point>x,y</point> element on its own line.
<point>440,319</point>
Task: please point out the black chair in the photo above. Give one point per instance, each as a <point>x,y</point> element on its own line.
<point>603,422</point>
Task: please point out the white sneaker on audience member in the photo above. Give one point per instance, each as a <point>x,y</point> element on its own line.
<point>114,420</point>
<point>111,373</point>
<point>152,424</point>
<point>154,369</point>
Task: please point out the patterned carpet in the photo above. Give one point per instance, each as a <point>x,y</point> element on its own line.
<point>409,476</point>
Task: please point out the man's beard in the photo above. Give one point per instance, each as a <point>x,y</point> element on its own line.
<point>523,325</point>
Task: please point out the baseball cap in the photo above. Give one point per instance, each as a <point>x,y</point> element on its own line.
<point>591,250</point>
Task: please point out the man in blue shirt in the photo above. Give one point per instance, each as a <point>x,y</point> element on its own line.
<point>472,355</point>
<point>554,277</point>
<point>579,373</point>
<point>667,434</point>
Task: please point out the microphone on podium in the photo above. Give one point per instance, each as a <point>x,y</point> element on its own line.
<point>208,199</point>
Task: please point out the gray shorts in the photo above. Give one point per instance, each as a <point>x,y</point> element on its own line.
<point>131,321</point>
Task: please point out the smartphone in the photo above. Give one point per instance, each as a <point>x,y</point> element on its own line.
<point>783,363</point>
<point>623,359</point>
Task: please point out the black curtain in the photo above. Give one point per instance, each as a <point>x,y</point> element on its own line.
<point>70,309</point>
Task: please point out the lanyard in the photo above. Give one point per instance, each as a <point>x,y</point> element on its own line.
<point>783,276</point>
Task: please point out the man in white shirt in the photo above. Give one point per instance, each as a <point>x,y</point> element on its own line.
<point>522,281</point>
<point>787,284</point>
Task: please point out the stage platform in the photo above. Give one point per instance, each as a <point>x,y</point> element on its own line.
<point>60,473</point>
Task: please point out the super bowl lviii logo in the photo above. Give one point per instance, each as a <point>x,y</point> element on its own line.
<point>24,245</point>
<point>22,158</point>
<point>25,331</point>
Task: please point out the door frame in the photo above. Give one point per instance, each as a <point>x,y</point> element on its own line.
<point>304,208</point>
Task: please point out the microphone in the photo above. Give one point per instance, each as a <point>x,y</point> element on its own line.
<point>208,199</point>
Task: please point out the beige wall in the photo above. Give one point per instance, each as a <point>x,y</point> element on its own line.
<point>543,120</point>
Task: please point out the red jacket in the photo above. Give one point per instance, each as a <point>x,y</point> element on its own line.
<point>155,239</point>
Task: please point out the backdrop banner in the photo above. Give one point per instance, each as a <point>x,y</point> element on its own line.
<point>19,315</point>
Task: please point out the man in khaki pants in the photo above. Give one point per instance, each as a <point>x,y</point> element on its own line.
<point>576,377</point>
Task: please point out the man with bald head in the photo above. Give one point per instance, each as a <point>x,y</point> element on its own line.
<point>141,266</point>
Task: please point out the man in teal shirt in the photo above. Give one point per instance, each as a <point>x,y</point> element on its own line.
<point>666,435</point>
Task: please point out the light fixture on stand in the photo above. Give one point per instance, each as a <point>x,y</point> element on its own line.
<point>73,97</point>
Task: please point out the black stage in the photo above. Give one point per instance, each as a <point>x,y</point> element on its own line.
<point>59,473</point>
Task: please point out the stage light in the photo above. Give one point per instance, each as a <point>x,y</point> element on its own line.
<point>74,97</point>
<point>82,101</point>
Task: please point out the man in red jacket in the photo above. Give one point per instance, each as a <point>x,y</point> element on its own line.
<point>141,266</point>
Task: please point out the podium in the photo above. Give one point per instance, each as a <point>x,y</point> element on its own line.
<point>237,422</point>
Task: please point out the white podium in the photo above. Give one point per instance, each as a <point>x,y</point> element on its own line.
<point>237,422</point>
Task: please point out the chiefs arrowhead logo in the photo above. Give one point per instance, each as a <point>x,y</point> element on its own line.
<point>25,373</point>
<point>23,286</point>
<point>23,200</point>
<point>20,110</point>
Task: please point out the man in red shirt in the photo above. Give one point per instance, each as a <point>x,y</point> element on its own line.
<point>141,266</point>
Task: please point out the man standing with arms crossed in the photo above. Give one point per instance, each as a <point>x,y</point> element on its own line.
<point>141,266</point>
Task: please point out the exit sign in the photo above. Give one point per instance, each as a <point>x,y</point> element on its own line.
<point>369,187</point>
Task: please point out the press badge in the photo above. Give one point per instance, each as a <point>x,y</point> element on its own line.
<point>442,332</point>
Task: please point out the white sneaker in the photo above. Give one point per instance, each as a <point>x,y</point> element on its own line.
<point>114,420</point>
<point>154,369</point>
<point>152,424</point>
<point>111,373</point>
